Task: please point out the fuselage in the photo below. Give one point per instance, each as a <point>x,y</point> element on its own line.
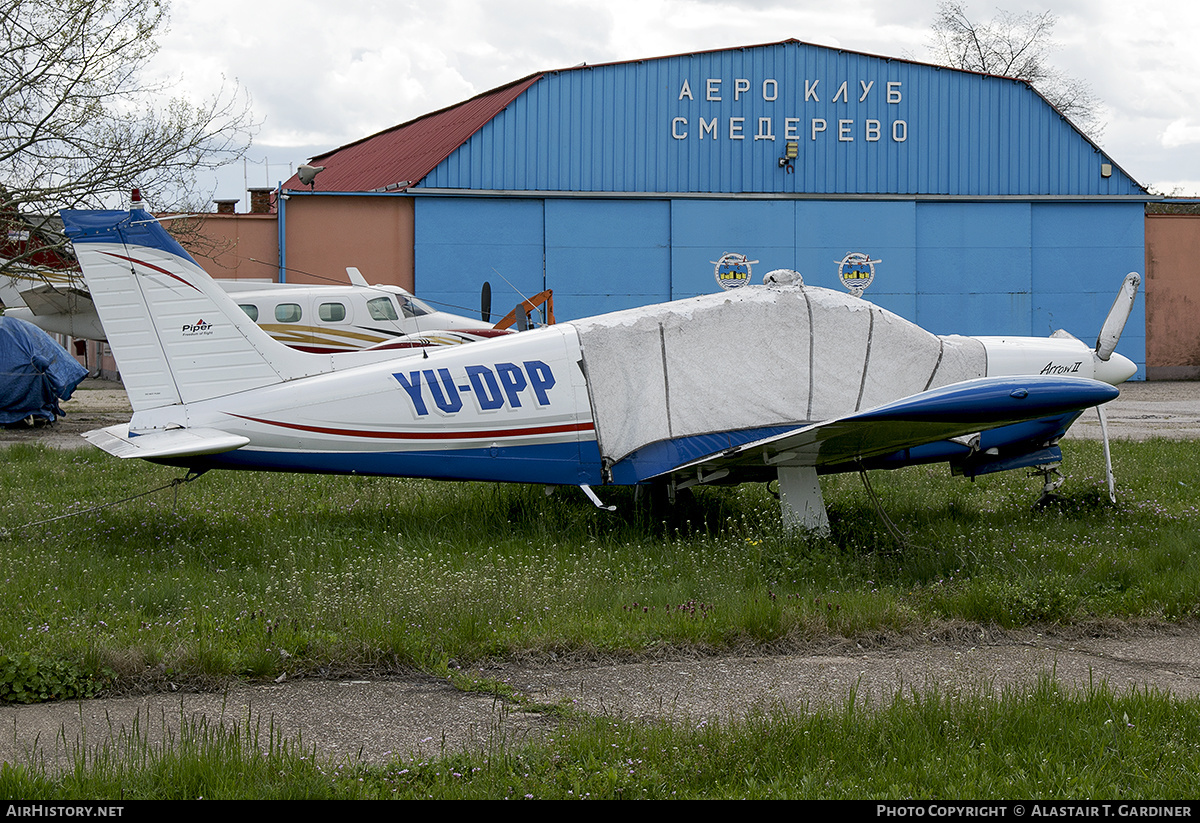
<point>736,385</point>
<point>518,409</point>
<point>309,318</point>
<point>473,411</point>
<point>1061,355</point>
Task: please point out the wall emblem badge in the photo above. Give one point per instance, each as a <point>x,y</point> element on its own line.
<point>856,271</point>
<point>732,270</point>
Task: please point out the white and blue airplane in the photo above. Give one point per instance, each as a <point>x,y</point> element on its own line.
<point>775,382</point>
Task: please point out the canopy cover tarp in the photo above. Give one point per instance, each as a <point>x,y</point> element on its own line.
<point>35,373</point>
<point>757,356</point>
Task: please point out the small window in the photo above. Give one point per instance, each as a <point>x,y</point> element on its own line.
<point>251,311</point>
<point>331,312</point>
<point>288,313</point>
<point>381,308</point>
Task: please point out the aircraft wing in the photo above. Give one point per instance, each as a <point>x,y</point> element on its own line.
<point>953,411</point>
<point>117,441</point>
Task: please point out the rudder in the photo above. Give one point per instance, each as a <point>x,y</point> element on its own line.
<point>177,337</point>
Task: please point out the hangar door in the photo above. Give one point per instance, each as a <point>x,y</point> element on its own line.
<point>597,255</point>
<point>607,255</point>
<point>952,267</point>
<point>460,242</point>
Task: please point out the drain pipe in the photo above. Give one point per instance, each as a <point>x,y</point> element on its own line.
<point>281,225</point>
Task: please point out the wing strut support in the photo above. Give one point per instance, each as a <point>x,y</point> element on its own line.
<point>801,500</point>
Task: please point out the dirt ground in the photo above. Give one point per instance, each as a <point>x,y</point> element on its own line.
<point>420,716</point>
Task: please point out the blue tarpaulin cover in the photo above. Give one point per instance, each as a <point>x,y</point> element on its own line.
<point>35,372</point>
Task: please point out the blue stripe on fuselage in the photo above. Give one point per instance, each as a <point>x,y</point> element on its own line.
<point>571,463</point>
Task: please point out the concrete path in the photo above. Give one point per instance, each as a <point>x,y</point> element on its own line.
<point>419,716</point>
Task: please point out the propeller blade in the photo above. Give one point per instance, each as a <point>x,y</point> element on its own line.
<point>1114,324</point>
<point>485,302</point>
<point>1112,483</point>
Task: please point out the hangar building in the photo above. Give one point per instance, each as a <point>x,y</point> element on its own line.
<point>977,206</point>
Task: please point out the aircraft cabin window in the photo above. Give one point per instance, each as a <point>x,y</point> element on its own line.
<point>381,308</point>
<point>251,311</point>
<point>288,313</point>
<point>332,312</point>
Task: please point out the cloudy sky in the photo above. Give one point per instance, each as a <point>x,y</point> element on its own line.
<point>322,74</point>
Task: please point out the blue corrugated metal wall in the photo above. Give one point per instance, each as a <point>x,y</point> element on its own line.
<point>608,255</point>
<point>719,122</point>
<point>463,242</point>
<point>980,268</point>
<point>988,212</point>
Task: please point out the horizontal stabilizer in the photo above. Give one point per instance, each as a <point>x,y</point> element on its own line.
<point>117,441</point>
<point>45,299</point>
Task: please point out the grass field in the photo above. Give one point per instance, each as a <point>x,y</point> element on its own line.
<point>255,575</point>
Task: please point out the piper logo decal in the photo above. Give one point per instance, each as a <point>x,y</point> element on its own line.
<point>493,387</point>
<point>199,327</point>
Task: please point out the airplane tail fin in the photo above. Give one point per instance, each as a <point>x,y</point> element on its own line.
<point>177,337</point>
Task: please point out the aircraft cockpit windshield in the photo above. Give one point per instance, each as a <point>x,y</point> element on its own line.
<point>382,308</point>
<point>412,307</point>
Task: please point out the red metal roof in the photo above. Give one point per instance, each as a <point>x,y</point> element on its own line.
<point>409,151</point>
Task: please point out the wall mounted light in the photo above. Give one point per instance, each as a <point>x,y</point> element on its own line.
<point>791,151</point>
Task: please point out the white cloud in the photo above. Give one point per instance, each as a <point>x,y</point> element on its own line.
<point>325,74</point>
<point>1181,132</point>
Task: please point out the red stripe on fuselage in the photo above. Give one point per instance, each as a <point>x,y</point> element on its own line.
<point>447,435</point>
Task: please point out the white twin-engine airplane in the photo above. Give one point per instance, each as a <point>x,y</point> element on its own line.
<point>763,383</point>
<point>324,319</point>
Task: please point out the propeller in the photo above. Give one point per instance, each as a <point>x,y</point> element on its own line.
<point>1109,366</point>
<point>1114,324</point>
<point>485,302</point>
<point>1114,369</point>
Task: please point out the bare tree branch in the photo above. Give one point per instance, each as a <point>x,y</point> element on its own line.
<point>80,127</point>
<point>1012,45</point>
